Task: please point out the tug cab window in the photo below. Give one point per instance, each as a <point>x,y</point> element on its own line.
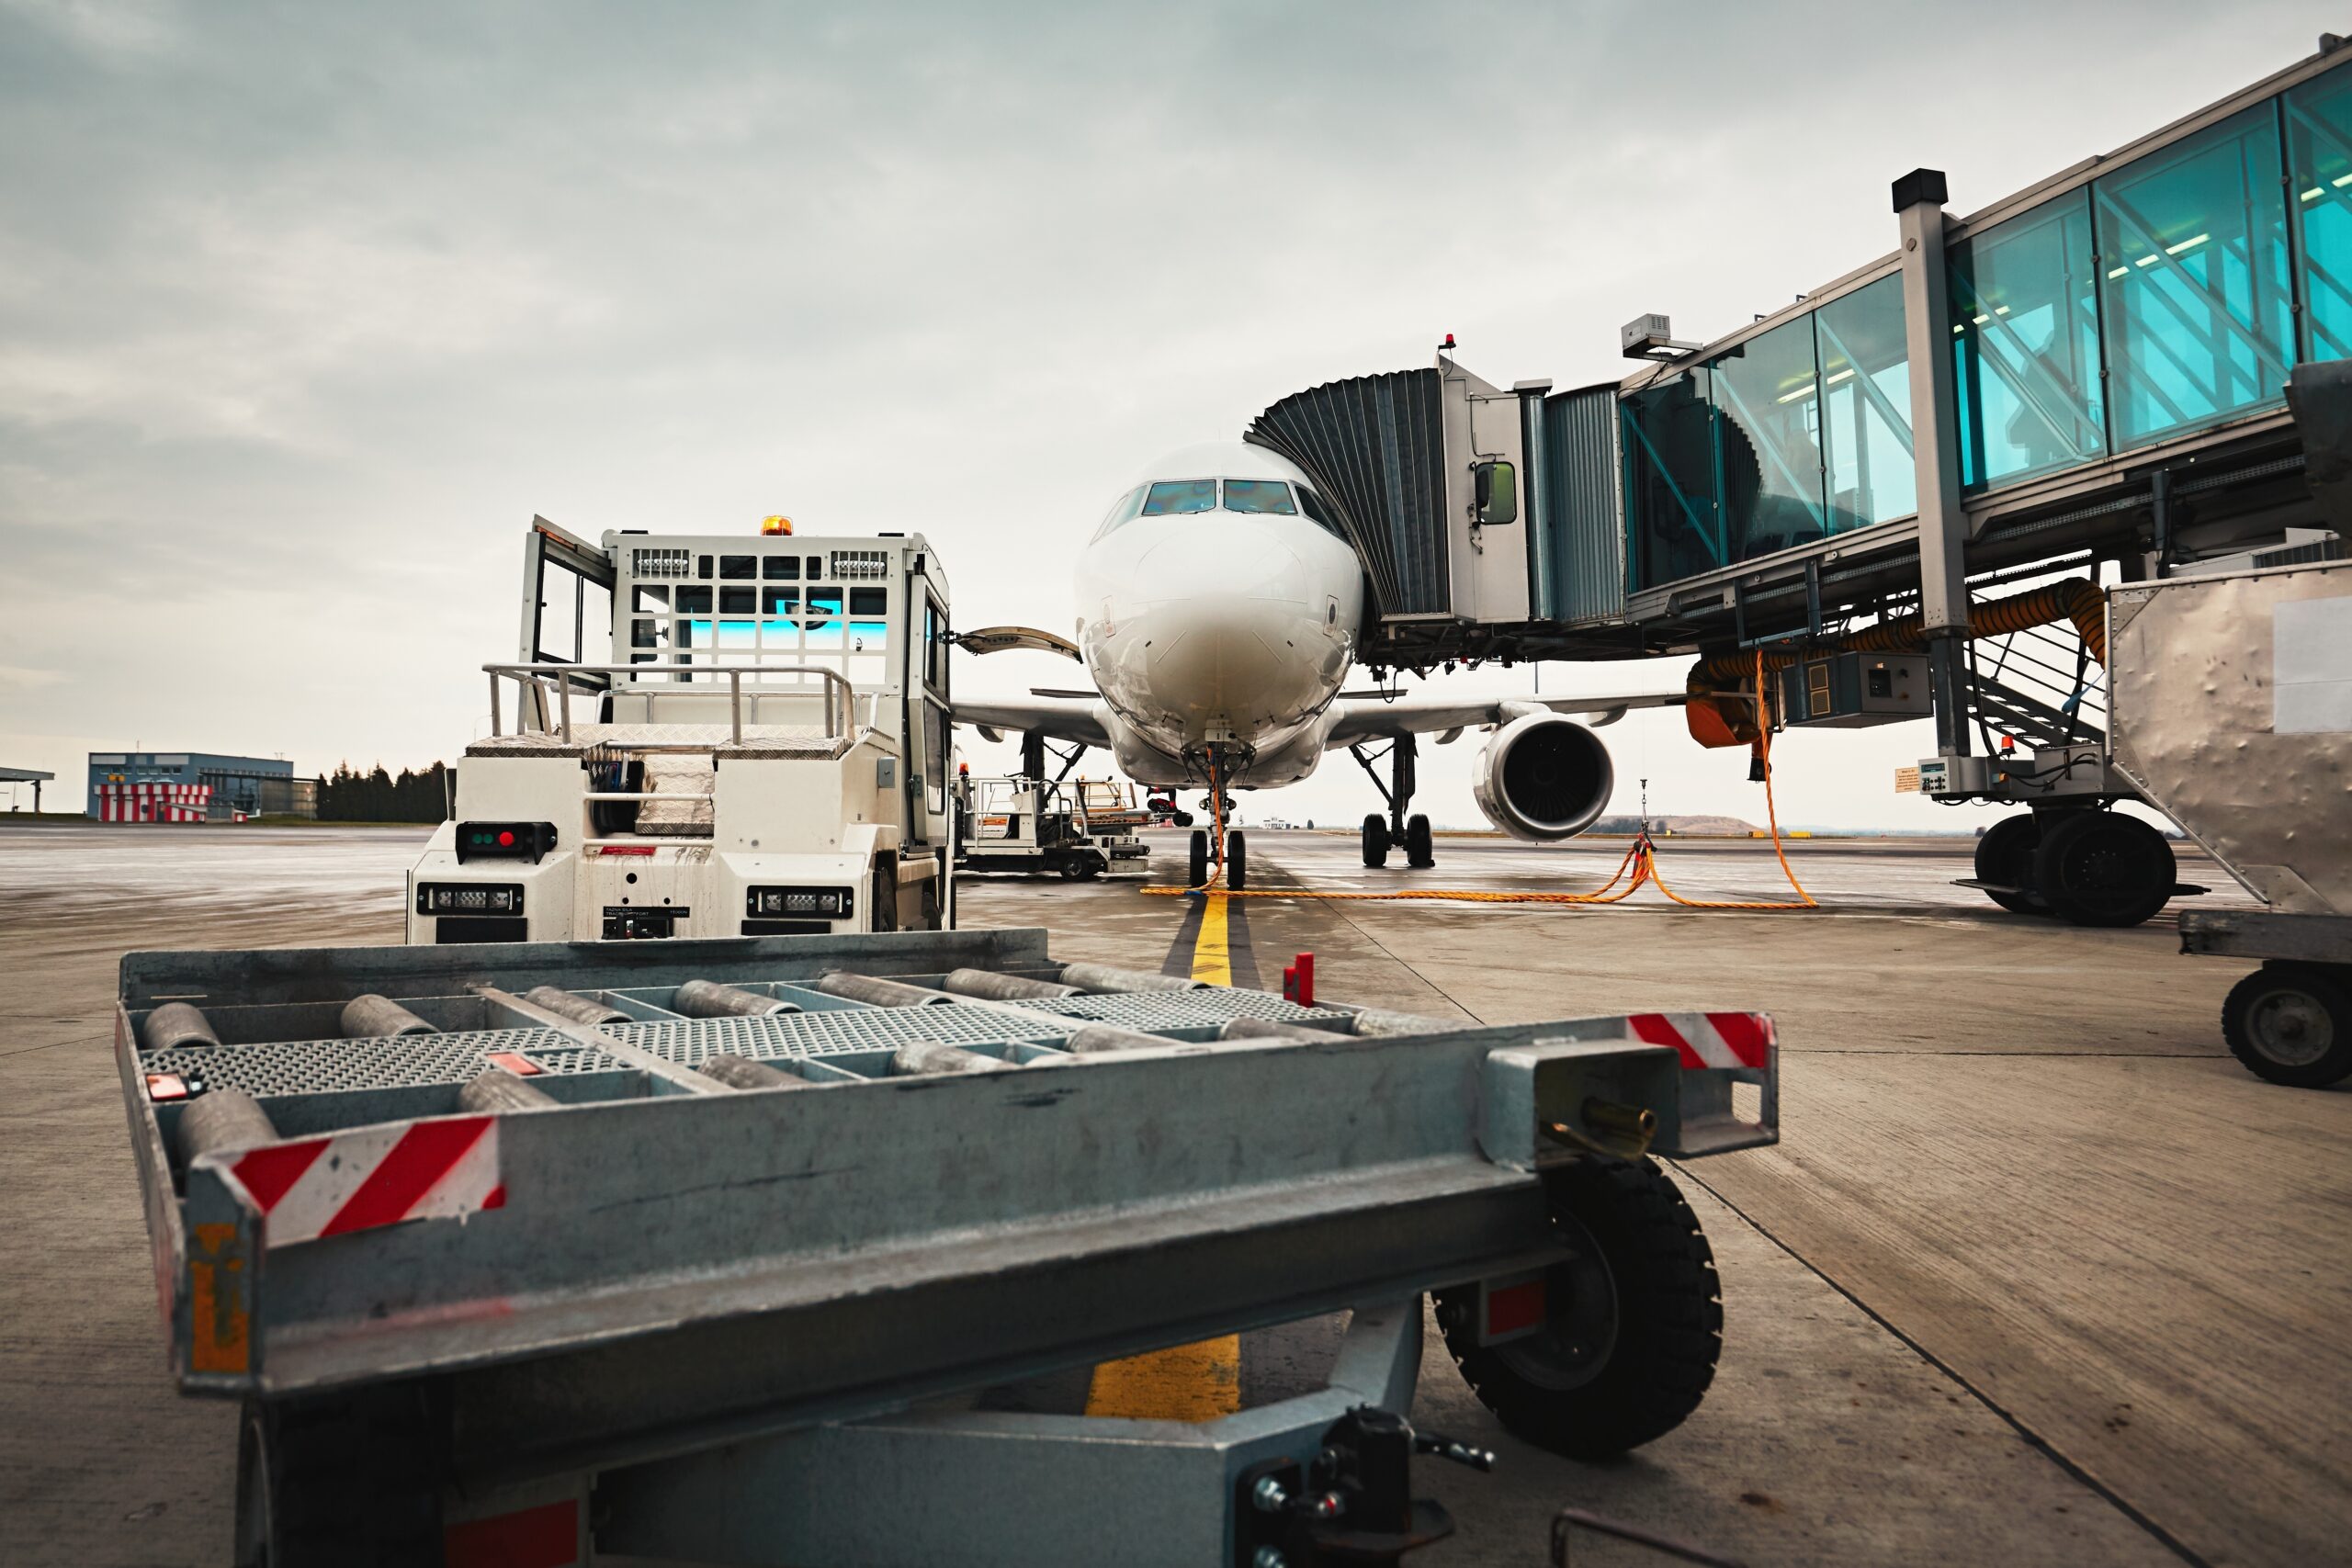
<point>1259,496</point>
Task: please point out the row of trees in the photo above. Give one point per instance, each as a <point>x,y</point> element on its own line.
<point>349,796</point>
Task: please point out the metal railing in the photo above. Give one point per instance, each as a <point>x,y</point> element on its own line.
<point>534,679</point>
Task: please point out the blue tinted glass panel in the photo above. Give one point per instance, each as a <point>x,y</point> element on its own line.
<point>2025,344</point>
<point>1673,529</point>
<point>2319,147</point>
<point>1767,445</point>
<point>2192,244</point>
<point>1172,496</point>
<point>1866,406</point>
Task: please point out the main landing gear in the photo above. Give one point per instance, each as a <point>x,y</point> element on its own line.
<point>1394,830</point>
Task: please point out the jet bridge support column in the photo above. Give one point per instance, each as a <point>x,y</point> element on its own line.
<point>1920,198</point>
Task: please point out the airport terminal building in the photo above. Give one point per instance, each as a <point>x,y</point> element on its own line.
<point>255,785</point>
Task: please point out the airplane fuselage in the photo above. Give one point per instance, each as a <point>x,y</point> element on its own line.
<point>1218,612</point>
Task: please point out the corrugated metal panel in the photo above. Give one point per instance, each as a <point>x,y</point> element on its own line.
<point>1577,565</point>
<point>1375,447</point>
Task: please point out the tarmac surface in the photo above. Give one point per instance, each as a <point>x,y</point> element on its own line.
<point>2036,1275</point>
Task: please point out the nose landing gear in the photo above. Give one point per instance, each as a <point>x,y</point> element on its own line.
<point>1395,829</point>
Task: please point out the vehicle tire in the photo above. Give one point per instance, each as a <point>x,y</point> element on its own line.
<point>1634,1325</point>
<point>2291,1023</point>
<point>2101,868</point>
<point>884,891</point>
<point>341,1479</point>
<point>1418,848</point>
<point>1197,869</point>
<point>2005,854</point>
<point>1376,839</point>
<point>1071,870</point>
<point>1182,819</point>
<point>1237,861</point>
<point>1088,869</point>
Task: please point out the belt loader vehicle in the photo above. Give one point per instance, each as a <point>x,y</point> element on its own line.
<point>764,753</point>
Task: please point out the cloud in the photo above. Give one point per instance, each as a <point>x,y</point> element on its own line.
<point>304,311</point>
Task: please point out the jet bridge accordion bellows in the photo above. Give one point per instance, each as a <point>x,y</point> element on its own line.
<point>1375,447</point>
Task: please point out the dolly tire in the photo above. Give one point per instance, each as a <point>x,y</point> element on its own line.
<point>1197,866</point>
<point>1633,1328</point>
<point>342,1481</point>
<point>2005,854</point>
<point>2291,1023</point>
<point>1376,839</point>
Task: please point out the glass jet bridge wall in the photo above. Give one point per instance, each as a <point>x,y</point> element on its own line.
<point>2167,295</point>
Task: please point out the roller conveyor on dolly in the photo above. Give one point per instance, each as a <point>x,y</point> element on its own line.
<point>701,1249</point>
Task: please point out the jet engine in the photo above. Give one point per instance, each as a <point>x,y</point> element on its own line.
<point>1542,777</point>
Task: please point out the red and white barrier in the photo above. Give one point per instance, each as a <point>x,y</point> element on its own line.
<point>1710,1039</point>
<point>444,1168</point>
<point>154,802</point>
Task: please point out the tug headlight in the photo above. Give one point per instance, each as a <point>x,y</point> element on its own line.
<point>833,903</point>
<point>469,898</point>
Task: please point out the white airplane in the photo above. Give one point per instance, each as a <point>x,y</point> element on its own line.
<point>1218,612</point>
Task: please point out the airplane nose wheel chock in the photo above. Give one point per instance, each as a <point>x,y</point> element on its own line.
<point>1395,829</point>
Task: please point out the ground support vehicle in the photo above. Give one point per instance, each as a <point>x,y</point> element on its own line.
<point>2232,713</point>
<point>765,754</point>
<point>1076,830</point>
<point>701,1249</point>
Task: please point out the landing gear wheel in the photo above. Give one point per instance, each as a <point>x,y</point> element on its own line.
<point>2291,1023</point>
<point>1633,1324</point>
<point>1376,839</point>
<point>340,1479</point>
<point>1237,861</point>
<point>2005,854</point>
<point>1417,842</point>
<point>1197,868</point>
<point>2101,868</point>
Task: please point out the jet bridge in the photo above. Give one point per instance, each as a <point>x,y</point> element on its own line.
<point>1905,493</point>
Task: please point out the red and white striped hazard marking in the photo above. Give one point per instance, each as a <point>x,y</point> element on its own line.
<point>1710,1039</point>
<point>378,1175</point>
<point>153,802</point>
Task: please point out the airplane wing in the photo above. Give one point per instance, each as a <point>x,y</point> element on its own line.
<point>1370,717</point>
<point>1056,717</point>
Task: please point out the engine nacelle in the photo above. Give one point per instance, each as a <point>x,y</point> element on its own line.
<point>1542,777</point>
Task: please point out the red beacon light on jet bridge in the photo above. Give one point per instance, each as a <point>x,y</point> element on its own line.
<point>771,526</point>
<point>1447,347</point>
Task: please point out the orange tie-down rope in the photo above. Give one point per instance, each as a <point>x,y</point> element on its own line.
<point>1641,861</point>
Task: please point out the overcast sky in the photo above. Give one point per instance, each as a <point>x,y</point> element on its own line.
<point>306,309</point>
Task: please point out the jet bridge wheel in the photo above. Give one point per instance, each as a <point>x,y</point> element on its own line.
<point>2291,1023</point>
<point>1632,1327</point>
<point>1376,839</point>
<point>348,1479</point>
<point>2102,868</point>
<point>2005,855</point>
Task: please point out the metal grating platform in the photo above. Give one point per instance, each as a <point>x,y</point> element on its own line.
<point>413,1061</point>
<point>1185,1010</point>
<point>691,1042</point>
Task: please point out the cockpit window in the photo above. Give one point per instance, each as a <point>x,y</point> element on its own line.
<point>1122,510</point>
<point>1172,496</point>
<point>1319,511</point>
<point>1259,496</point>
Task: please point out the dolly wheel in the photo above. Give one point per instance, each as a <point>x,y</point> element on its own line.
<point>2291,1023</point>
<point>1417,852</point>
<point>1197,870</point>
<point>1237,860</point>
<point>1634,1323</point>
<point>2102,868</point>
<point>1376,839</point>
<point>2005,854</point>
